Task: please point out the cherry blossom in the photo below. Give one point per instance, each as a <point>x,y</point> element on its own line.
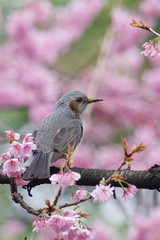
<point>28,138</point>
<point>129,192</point>
<point>79,194</point>
<point>5,156</point>
<point>13,168</point>
<point>80,234</point>
<point>28,147</point>
<point>60,223</point>
<point>39,224</point>
<point>16,149</point>
<point>11,136</point>
<point>20,182</point>
<point>150,50</point>
<point>102,193</point>
<point>65,179</point>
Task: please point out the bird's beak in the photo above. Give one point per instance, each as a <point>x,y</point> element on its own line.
<point>91,100</point>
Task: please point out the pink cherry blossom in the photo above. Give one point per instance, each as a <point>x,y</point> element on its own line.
<point>20,182</point>
<point>28,138</point>
<point>39,224</point>
<point>79,194</point>
<point>28,147</point>
<point>11,136</point>
<point>69,213</point>
<point>13,168</point>
<point>16,149</point>
<point>80,234</point>
<point>129,192</point>
<point>102,193</point>
<point>60,223</point>
<point>65,179</point>
<point>5,156</point>
<point>150,50</point>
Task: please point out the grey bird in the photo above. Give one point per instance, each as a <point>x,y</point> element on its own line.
<point>61,128</point>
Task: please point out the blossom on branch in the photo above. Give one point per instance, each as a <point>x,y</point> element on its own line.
<point>79,194</point>
<point>5,156</point>
<point>12,161</point>
<point>39,224</point>
<point>151,50</point>
<point>65,179</point>
<point>28,138</point>
<point>12,136</point>
<point>129,192</point>
<point>16,149</point>
<point>102,193</point>
<point>80,234</point>
<point>13,168</point>
<point>60,223</point>
<point>28,147</point>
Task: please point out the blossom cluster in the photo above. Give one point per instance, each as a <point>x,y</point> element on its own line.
<point>12,161</point>
<point>64,226</point>
<point>150,50</point>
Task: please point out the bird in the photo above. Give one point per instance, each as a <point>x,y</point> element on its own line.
<point>62,127</point>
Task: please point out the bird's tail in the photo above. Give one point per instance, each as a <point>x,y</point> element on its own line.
<point>39,168</point>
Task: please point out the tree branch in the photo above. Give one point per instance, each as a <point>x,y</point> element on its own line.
<point>18,198</point>
<point>148,179</point>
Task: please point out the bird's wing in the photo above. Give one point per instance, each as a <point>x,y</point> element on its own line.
<point>65,136</point>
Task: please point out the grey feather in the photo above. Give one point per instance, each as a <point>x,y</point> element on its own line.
<point>39,167</point>
<point>62,127</point>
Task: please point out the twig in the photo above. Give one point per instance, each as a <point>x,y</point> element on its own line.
<point>57,196</point>
<point>154,32</point>
<point>18,198</point>
<point>75,203</point>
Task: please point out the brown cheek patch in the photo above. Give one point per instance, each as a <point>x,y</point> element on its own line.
<point>74,106</point>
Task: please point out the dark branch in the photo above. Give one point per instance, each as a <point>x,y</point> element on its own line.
<point>18,198</point>
<point>149,179</point>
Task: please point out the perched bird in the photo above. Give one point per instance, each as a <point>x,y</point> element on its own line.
<point>62,127</point>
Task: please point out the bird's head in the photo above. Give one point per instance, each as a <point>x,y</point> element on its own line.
<point>76,101</point>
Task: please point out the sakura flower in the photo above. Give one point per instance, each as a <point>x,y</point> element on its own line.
<point>60,223</point>
<point>65,179</point>
<point>28,138</point>
<point>39,224</point>
<point>13,168</point>
<point>11,136</point>
<point>20,182</point>
<point>80,193</point>
<point>80,234</point>
<point>150,50</point>
<point>102,192</point>
<point>129,192</point>
<point>5,156</point>
<point>69,213</point>
<point>16,149</point>
<point>28,147</point>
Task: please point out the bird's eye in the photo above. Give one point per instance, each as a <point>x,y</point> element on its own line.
<point>79,99</point>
